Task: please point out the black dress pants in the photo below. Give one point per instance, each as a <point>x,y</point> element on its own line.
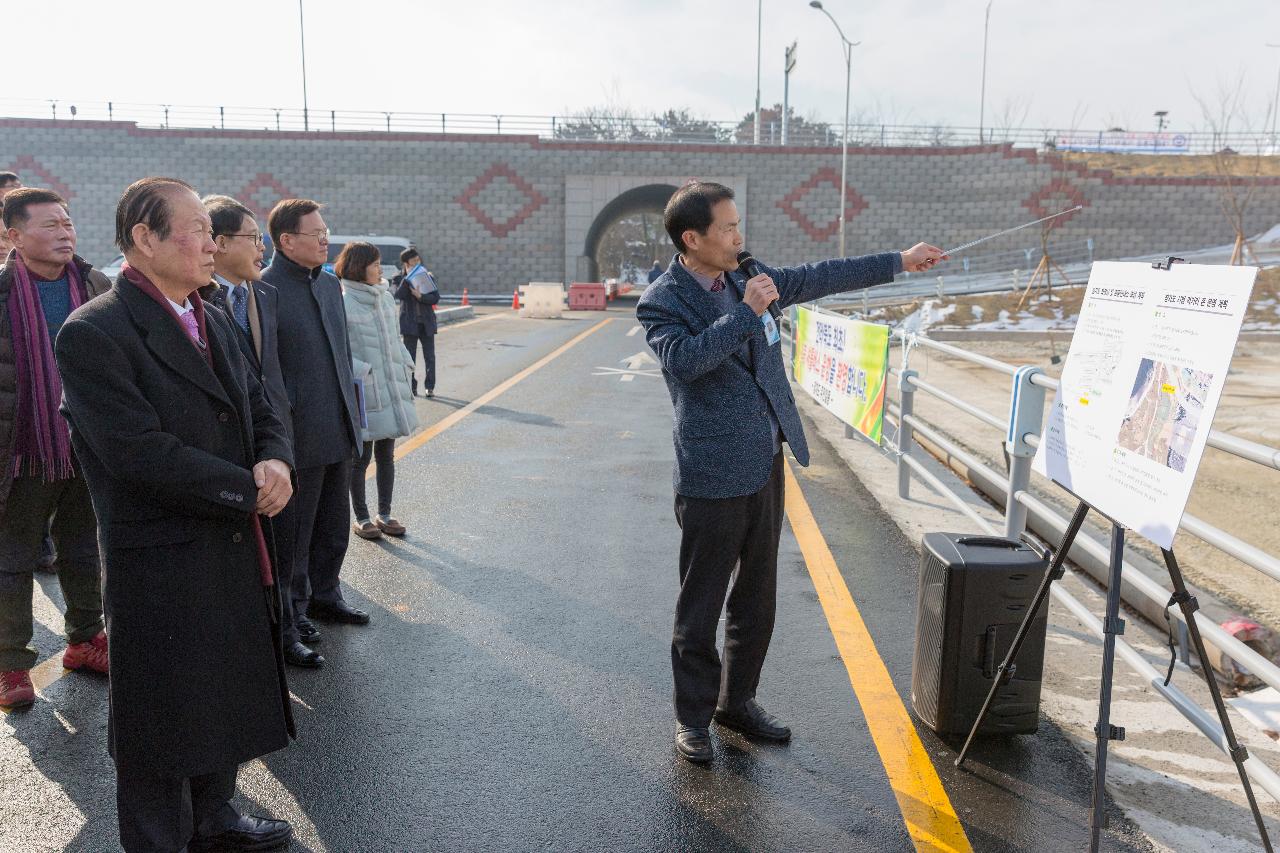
<point>159,814</point>
<point>323,530</point>
<point>718,534</point>
<point>428,357</point>
<point>34,509</point>
<point>284,529</point>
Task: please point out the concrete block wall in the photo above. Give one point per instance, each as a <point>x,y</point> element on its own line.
<point>490,212</point>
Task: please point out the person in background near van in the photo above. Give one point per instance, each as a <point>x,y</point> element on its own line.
<point>253,307</point>
<point>315,359</point>
<point>384,367</point>
<point>41,486</point>
<point>654,272</point>
<point>417,294</point>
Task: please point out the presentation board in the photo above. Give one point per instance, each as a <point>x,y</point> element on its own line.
<point>1140,387</point>
<point>843,364</point>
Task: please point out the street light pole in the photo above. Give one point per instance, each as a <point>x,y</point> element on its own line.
<point>1275,108</point>
<point>759,32</point>
<point>982,98</point>
<point>302,34</point>
<point>844,142</point>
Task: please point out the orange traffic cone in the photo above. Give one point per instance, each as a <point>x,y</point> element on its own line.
<point>465,300</point>
<point>515,300</point>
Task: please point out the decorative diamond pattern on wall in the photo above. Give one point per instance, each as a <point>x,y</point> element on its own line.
<point>794,205</point>
<point>26,166</point>
<point>262,193</point>
<point>1055,196</point>
<point>499,223</point>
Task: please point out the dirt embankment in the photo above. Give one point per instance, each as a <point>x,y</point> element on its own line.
<point>1178,165</point>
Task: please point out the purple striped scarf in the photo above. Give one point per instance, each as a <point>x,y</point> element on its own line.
<point>41,443</point>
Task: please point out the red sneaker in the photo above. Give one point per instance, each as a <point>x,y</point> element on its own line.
<point>15,689</point>
<point>91,655</point>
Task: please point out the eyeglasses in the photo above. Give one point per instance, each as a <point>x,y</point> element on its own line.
<point>322,236</point>
<point>256,238</point>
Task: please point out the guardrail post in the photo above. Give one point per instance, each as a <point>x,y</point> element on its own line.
<point>906,405</point>
<point>1026,416</point>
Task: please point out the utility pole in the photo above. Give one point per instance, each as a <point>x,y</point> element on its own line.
<point>786,90</point>
<point>302,33</point>
<point>759,33</point>
<point>848,47</point>
<point>1275,108</point>
<point>982,99</point>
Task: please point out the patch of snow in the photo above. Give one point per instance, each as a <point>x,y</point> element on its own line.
<point>926,315</point>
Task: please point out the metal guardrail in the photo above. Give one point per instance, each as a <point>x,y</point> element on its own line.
<point>606,127</point>
<point>1026,409</point>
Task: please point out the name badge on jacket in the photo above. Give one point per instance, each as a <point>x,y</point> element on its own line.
<point>771,333</point>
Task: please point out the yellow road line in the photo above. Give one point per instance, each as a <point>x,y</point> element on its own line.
<point>927,811</point>
<point>418,439</point>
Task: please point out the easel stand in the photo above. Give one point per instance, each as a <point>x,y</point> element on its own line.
<point>1113,626</point>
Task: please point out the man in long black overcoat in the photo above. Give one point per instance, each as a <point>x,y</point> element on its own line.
<point>182,455</point>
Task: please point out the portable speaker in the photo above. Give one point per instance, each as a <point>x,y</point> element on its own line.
<point>974,592</point>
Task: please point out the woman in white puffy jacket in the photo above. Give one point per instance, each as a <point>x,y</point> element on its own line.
<point>382,365</point>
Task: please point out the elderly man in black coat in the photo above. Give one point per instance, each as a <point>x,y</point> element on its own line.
<point>182,455</point>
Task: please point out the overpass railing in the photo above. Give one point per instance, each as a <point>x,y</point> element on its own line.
<point>1021,501</point>
<point>622,128</point>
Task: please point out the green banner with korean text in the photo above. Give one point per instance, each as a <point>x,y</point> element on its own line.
<point>844,364</point>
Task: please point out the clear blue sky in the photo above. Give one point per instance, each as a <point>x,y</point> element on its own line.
<point>1089,63</point>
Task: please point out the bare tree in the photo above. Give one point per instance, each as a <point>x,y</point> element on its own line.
<point>1011,117</point>
<point>802,130</point>
<point>1237,175</point>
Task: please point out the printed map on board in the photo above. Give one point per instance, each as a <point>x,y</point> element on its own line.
<point>1164,412</point>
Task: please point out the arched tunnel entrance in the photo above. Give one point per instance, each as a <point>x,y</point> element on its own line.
<point>627,236</point>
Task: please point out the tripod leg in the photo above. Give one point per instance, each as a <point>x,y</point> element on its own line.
<point>1112,626</point>
<point>1188,604</point>
<point>1055,572</point>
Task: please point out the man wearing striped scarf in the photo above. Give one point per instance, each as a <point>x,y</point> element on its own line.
<point>41,282</point>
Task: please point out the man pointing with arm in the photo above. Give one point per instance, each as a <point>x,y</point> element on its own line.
<point>734,409</point>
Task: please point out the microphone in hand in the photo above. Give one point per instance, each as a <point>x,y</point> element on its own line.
<point>747,266</point>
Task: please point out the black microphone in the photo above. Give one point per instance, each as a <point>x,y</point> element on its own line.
<point>747,266</point>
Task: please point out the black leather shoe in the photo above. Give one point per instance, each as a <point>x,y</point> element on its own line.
<point>694,744</point>
<point>337,611</point>
<point>248,833</point>
<point>299,655</point>
<point>307,631</point>
<point>753,721</point>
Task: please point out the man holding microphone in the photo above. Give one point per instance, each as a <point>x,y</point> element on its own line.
<point>721,356</point>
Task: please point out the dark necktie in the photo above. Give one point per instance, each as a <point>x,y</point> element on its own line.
<point>240,307</point>
<point>717,285</point>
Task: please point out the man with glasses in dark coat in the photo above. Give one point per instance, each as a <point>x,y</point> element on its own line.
<point>315,358</point>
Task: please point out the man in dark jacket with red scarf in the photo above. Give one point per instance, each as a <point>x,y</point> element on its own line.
<point>42,281</point>
<point>182,454</point>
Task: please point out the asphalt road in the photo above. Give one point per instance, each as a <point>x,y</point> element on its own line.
<point>513,691</point>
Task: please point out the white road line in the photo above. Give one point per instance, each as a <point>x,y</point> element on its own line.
<point>633,331</point>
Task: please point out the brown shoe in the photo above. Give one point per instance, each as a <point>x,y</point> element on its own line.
<point>366,530</point>
<point>390,526</point>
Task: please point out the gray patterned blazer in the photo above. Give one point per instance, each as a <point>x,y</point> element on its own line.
<point>720,394</point>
